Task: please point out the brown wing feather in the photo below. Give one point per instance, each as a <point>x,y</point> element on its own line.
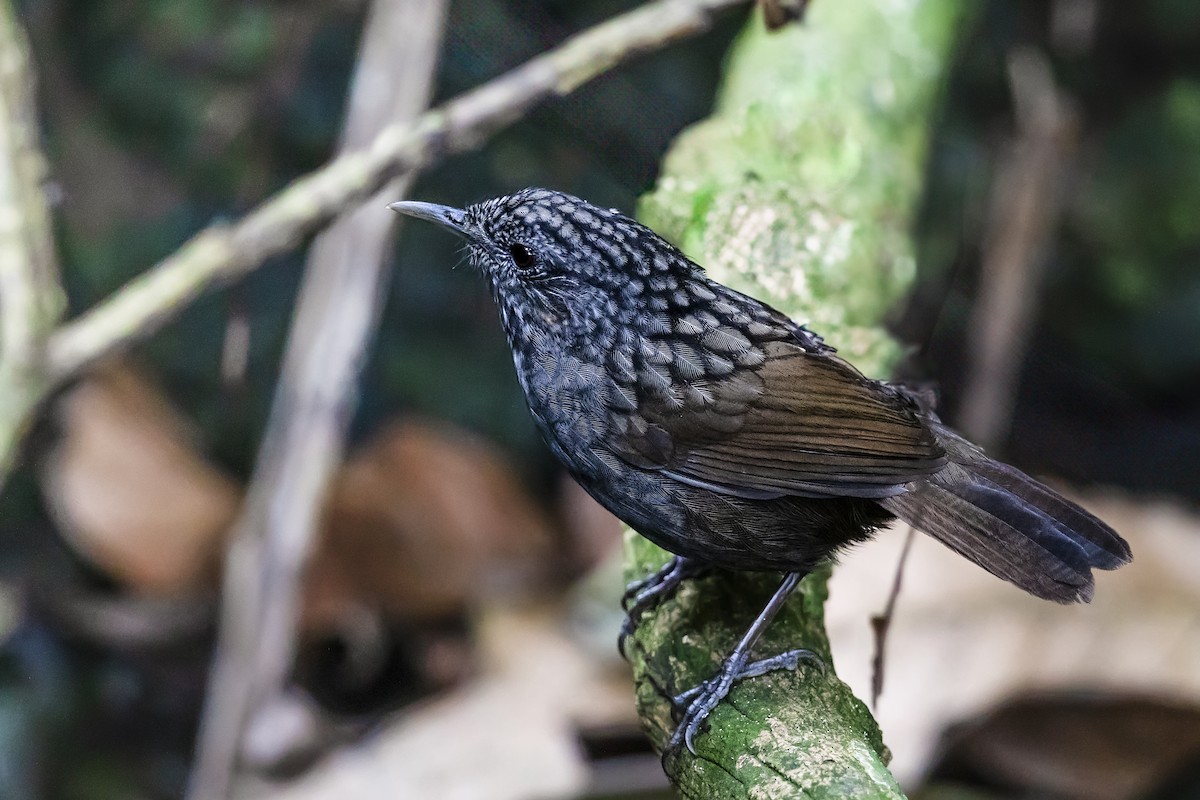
<point>796,424</point>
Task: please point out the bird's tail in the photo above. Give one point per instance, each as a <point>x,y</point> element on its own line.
<point>1009,524</point>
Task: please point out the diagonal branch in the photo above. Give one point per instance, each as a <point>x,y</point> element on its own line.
<point>334,321</point>
<point>222,253</point>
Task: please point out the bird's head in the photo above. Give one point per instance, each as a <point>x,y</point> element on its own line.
<point>562,268</point>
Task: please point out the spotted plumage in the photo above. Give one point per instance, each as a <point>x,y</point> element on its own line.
<point>730,435</point>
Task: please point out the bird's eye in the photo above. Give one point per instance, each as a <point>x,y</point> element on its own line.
<point>520,255</point>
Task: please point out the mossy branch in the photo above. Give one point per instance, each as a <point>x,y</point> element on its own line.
<point>799,190</point>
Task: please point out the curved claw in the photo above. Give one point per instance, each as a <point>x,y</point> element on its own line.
<point>642,595</point>
<point>700,700</point>
<point>683,700</point>
<point>627,628</point>
<point>658,586</point>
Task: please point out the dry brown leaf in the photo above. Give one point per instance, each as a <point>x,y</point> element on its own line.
<point>421,521</point>
<point>593,532</point>
<point>129,489</point>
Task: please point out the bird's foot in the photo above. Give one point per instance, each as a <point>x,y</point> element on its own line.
<point>643,595</point>
<point>698,702</point>
<point>658,586</point>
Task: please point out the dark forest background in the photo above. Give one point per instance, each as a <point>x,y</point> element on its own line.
<point>161,116</point>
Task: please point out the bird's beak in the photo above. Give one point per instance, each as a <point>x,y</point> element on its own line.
<point>452,219</point>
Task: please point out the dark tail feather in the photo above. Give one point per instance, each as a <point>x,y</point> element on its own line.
<point>1009,524</point>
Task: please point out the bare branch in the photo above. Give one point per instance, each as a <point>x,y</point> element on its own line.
<point>224,252</point>
<point>334,321</point>
<point>31,298</point>
<point>1026,205</point>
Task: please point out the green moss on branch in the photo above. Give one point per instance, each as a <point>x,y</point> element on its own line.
<point>799,190</point>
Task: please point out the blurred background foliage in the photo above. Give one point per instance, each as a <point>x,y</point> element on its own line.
<point>1108,391</point>
<point>161,116</point>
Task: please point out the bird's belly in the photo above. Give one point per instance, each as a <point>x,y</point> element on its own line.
<point>569,403</point>
<point>786,534</point>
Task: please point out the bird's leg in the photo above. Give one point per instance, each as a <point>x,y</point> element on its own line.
<point>699,701</point>
<point>643,595</point>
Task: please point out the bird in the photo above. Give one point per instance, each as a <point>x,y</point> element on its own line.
<point>732,436</point>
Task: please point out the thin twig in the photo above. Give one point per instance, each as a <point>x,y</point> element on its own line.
<point>1026,204</point>
<point>882,623</point>
<point>335,319</point>
<point>224,252</point>
<point>30,294</point>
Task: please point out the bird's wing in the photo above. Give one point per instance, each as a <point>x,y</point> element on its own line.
<point>797,423</point>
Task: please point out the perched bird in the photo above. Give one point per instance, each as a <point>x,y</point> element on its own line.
<point>732,436</point>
